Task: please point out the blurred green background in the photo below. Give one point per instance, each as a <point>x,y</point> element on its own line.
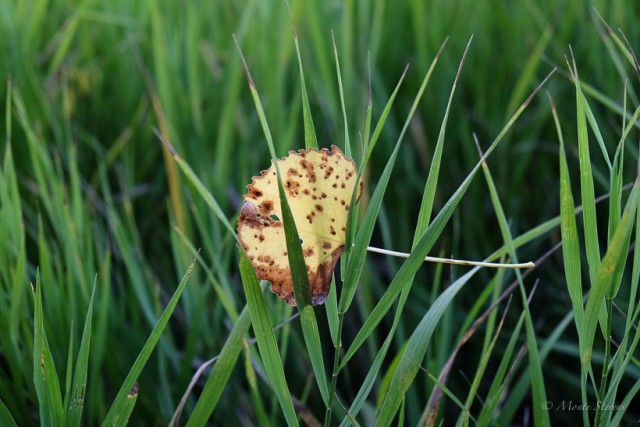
<point>93,196</point>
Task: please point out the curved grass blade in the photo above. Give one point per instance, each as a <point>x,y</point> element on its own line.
<point>122,405</point>
<point>5,416</point>
<point>219,374</point>
<point>415,351</point>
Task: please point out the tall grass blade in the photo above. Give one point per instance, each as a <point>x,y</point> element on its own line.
<point>586,182</point>
<point>569,230</point>
<point>429,237</point>
<point>220,373</point>
<point>75,402</point>
<point>310,138</point>
<point>540,415</point>
<point>603,283</point>
<point>415,351</point>
<point>122,404</point>
<point>365,230</point>
<point>44,370</point>
<point>297,265</point>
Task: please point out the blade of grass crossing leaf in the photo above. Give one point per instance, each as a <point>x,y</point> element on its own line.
<point>44,371</point>
<point>265,337</point>
<point>569,231</point>
<point>302,291</point>
<point>415,351</point>
<point>616,253</point>
<point>5,416</point>
<point>299,275</point>
<point>221,372</point>
<point>123,400</point>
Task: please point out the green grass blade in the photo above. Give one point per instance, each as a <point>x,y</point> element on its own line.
<point>586,184</point>
<point>310,138</point>
<point>193,179</point>
<point>365,230</point>
<point>482,367</point>
<point>540,416</point>
<point>75,402</point>
<point>520,390</point>
<point>625,405</point>
<point>501,378</point>
<point>416,349</point>
<point>569,230</point>
<point>220,373</point>
<point>44,370</point>
<point>265,337</point>
<point>5,416</point>
<point>370,144</point>
<point>301,289</point>
<point>428,196</point>
<point>347,142</point>
<point>429,237</point>
<point>122,404</point>
<point>127,406</point>
<point>616,254</point>
<point>297,265</point>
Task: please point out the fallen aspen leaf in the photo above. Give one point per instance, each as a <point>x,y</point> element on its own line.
<point>319,185</point>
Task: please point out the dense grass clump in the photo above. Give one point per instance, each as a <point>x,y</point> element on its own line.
<point>129,133</point>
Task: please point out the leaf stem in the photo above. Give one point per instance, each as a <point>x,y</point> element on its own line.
<point>453,261</point>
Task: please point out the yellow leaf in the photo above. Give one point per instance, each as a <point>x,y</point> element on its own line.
<point>319,185</point>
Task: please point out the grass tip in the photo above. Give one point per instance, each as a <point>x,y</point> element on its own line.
<point>244,63</point>
<point>165,142</point>
<point>293,25</point>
